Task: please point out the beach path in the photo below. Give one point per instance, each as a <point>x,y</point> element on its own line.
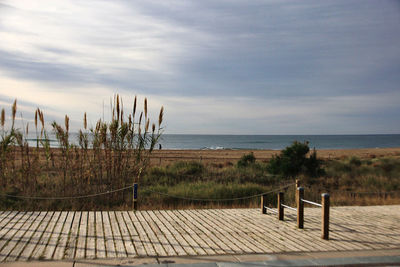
<point>120,234</point>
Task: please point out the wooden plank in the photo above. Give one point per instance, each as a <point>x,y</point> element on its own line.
<point>230,223</point>
<point>70,248</point>
<point>41,240</point>
<point>63,237</point>
<point>29,251</point>
<point>27,230</point>
<point>100,241</point>
<point>216,245</point>
<point>5,217</point>
<point>9,226</point>
<point>150,251</point>
<point>217,230</point>
<point>152,236</point>
<point>190,235</point>
<point>13,237</point>
<point>178,236</point>
<point>135,238</point>
<point>41,246</point>
<point>160,235</point>
<point>172,240</point>
<point>91,237</point>
<point>108,236</point>
<point>119,243</point>
<point>126,237</point>
<point>30,244</point>
<point>52,243</point>
<point>81,242</point>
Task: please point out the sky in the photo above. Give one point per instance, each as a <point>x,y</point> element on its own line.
<point>217,67</point>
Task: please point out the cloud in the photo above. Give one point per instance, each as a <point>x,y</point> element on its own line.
<point>294,65</point>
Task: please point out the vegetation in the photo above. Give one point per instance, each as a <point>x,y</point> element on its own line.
<point>109,156</point>
<point>293,161</point>
<point>115,154</point>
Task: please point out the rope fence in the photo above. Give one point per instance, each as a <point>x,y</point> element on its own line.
<point>325,207</point>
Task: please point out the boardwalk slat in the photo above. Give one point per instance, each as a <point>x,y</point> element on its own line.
<point>81,242</point>
<point>27,230</point>
<point>178,236</point>
<point>30,243</point>
<point>100,241</point>
<point>61,247</point>
<point>52,244</point>
<point>91,238</point>
<point>136,241</point>
<point>39,250</point>
<point>80,235</point>
<point>70,249</point>
<point>126,237</point>
<point>151,235</point>
<point>30,250</point>
<point>13,236</point>
<point>142,235</point>
<point>108,236</point>
<point>119,243</point>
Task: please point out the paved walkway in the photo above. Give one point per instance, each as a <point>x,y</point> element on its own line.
<point>120,234</point>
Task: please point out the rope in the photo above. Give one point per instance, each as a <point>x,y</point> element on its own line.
<point>160,193</point>
<point>70,197</point>
<point>221,199</point>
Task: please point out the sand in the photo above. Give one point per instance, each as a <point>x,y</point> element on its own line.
<point>164,157</point>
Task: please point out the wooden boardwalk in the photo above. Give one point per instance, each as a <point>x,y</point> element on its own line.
<point>119,234</point>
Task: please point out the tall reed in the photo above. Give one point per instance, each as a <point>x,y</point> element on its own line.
<point>111,155</point>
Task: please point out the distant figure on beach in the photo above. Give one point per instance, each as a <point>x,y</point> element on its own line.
<point>160,147</point>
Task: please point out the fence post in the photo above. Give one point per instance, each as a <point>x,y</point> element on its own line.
<point>300,207</point>
<point>263,203</point>
<point>325,216</point>
<point>135,195</point>
<point>280,207</point>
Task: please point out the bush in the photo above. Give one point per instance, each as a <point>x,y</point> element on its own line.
<point>246,160</point>
<point>293,161</point>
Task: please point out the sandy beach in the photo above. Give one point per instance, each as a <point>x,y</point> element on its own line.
<point>164,157</point>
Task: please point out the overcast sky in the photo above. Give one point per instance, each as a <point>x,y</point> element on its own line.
<point>217,67</point>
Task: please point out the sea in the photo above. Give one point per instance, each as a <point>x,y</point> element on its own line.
<point>273,142</point>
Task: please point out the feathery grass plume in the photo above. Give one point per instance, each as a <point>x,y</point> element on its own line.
<point>36,117</point>
<point>147,125</point>
<point>112,109</point>
<point>118,108</point>
<point>66,123</point>
<point>27,129</point>
<point>3,117</point>
<point>134,106</point>
<point>14,112</point>
<point>140,118</point>
<point>160,117</point>
<point>145,107</point>
<point>130,121</point>
<point>153,128</point>
<point>84,121</point>
<point>122,111</point>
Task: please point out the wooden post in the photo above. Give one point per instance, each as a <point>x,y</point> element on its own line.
<point>325,217</point>
<point>135,195</point>
<point>300,207</point>
<point>297,183</point>
<point>280,207</point>
<point>263,204</point>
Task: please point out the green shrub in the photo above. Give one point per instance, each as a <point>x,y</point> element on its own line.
<point>246,160</point>
<point>293,161</point>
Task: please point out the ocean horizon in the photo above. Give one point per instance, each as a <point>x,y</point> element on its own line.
<point>254,142</point>
<point>277,142</point>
